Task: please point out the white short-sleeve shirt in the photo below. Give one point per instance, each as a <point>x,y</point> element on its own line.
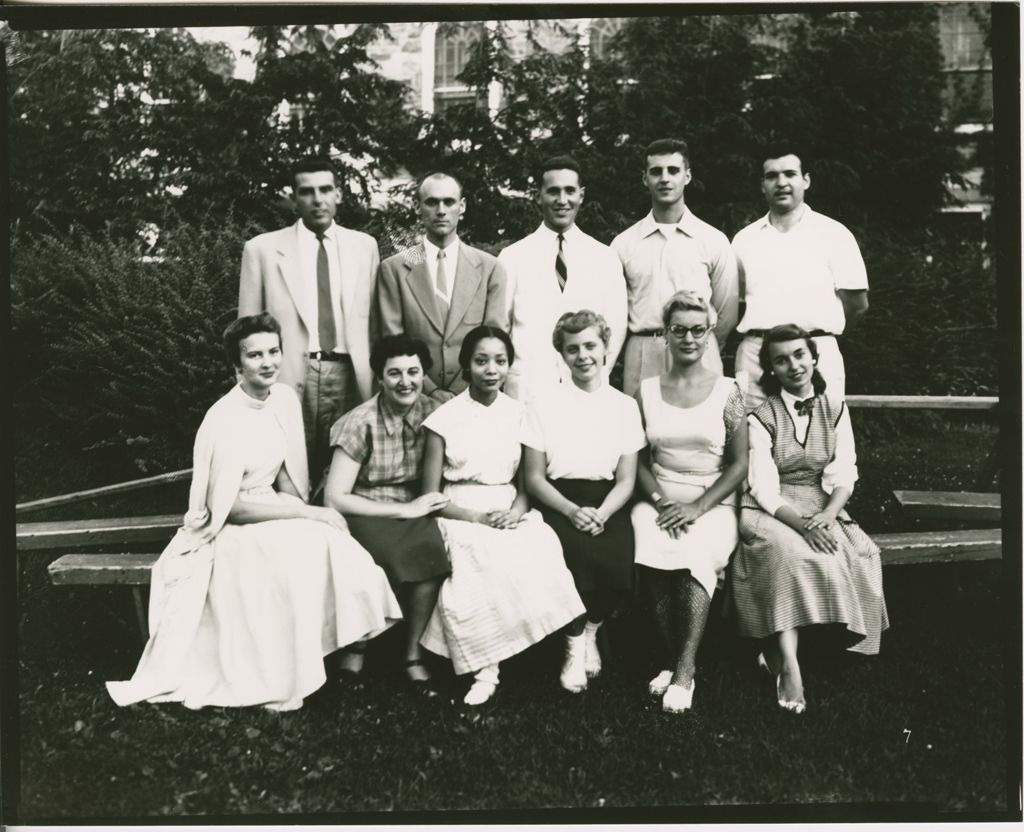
<point>794,276</point>
<point>583,433</point>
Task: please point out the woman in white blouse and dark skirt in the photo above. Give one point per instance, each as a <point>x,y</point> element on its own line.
<point>581,442</point>
<point>802,560</point>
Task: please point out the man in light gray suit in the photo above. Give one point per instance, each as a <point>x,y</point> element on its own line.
<point>440,289</point>
<point>318,279</point>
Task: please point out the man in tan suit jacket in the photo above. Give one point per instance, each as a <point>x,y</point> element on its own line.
<point>318,279</point>
<point>442,288</point>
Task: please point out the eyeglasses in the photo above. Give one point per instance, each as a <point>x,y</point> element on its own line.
<point>679,331</point>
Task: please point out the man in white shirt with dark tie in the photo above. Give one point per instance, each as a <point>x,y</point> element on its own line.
<point>554,270</point>
<point>442,288</point>
<point>796,266</point>
<point>317,278</point>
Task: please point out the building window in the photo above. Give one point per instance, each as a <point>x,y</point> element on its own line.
<point>453,47</point>
<point>963,37</point>
<point>602,32</point>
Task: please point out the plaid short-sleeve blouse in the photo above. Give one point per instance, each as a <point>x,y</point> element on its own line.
<point>389,445</point>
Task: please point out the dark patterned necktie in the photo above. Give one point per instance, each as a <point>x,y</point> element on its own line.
<point>560,267</point>
<point>324,312</point>
<point>805,406</point>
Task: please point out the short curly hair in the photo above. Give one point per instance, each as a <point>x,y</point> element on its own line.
<point>240,329</point>
<point>572,322</point>
<point>392,346</point>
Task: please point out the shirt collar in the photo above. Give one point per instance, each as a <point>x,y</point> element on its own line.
<point>765,221</point>
<point>648,225</point>
<point>328,233</point>
<point>552,236</point>
<point>791,400</point>
<point>393,420</point>
<point>450,250</point>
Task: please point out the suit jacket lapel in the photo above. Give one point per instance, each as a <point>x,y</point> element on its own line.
<point>289,264</point>
<point>348,270</point>
<point>467,281</point>
<point>418,277</point>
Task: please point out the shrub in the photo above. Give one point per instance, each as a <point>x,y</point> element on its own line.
<point>119,354</point>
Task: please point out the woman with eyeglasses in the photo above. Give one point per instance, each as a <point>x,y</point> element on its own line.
<point>802,560</point>
<point>695,460</point>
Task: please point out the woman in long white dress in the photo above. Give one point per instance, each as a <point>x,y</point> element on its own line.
<point>686,530</point>
<point>257,586</point>
<point>509,587</point>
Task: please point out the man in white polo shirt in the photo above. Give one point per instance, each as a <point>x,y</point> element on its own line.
<point>558,269</point>
<point>796,266</point>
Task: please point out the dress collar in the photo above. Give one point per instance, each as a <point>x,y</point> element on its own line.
<point>393,419</point>
<point>247,401</point>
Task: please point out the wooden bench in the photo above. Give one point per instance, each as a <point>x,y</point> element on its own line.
<point>939,547</point>
<point>133,570</point>
<point>112,530</point>
<point>108,570</point>
<point>950,505</point>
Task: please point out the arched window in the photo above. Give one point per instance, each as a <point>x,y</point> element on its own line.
<point>602,30</point>
<point>452,50</point>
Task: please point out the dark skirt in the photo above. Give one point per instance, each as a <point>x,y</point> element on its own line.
<point>603,561</point>
<point>407,550</point>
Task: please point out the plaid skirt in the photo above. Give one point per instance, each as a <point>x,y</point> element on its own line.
<point>777,582</point>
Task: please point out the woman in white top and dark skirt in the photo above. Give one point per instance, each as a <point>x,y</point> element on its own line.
<point>582,442</point>
<point>802,559</point>
<point>696,428</point>
<point>509,587</point>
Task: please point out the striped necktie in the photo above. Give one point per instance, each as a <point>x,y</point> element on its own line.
<point>324,312</point>
<point>561,269</point>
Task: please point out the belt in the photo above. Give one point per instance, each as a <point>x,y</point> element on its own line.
<point>814,333</point>
<point>326,355</point>
<point>649,333</point>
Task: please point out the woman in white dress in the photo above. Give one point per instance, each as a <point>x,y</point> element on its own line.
<point>509,587</point>
<point>257,586</point>
<point>696,458</point>
<point>582,443</point>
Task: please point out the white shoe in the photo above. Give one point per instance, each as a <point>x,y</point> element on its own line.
<point>480,692</point>
<point>658,685</point>
<point>485,685</point>
<point>678,699</point>
<point>574,674</point>
<point>592,656</point>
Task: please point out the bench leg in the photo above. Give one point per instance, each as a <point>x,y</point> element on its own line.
<point>141,613</point>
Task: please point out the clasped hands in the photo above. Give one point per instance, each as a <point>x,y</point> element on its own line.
<point>587,519</point>
<point>818,533</point>
<point>675,518</point>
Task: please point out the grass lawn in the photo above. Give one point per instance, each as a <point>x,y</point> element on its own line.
<point>923,724</point>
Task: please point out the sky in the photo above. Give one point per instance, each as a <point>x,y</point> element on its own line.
<point>237,37</point>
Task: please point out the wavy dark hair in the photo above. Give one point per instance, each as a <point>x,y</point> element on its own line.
<point>474,337</point>
<point>392,346</point>
<point>240,329</point>
<point>777,335</point>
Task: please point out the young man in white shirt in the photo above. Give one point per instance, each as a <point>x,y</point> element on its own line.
<point>557,269</point>
<point>796,266</point>
<point>442,288</point>
<point>667,251</point>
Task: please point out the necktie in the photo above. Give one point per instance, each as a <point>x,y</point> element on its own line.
<point>805,406</point>
<point>324,310</point>
<point>441,282</point>
<point>560,267</point>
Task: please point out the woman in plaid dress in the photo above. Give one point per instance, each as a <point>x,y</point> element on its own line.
<point>509,586</point>
<point>802,559</point>
<point>374,481</point>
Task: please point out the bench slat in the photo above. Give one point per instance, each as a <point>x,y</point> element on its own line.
<point>98,532</point>
<point>87,569</point>
<point>104,491</point>
<point>939,547</point>
<point>950,505</point>
<point>923,402</point>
